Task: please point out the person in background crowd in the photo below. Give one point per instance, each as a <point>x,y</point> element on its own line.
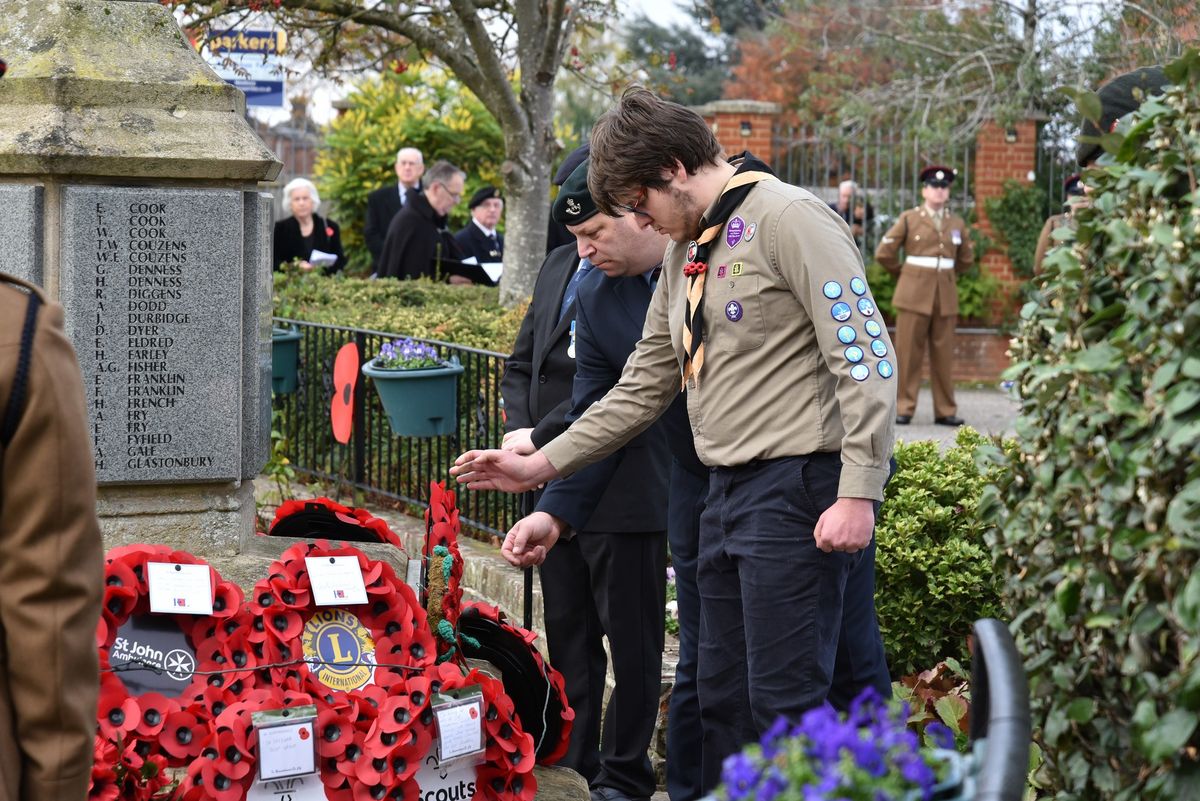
<point>480,238</point>
<point>384,204</point>
<point>937,248</point>
<point>51,557</point>
<point>1073,198</point>
<point>763,314</point>
<point>855,208</point>
<point>305,232</point>
<point>418,241</point>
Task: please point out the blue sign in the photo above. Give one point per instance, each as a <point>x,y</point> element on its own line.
<point>250,60</point>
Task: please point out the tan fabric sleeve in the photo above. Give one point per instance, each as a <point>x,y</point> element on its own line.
<point>51,568</point>
<point>825,253</point>
<point>965,258</point>
<point>887,252</point>
<point>649,382</point>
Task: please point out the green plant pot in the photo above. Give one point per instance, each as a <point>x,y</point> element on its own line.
<point>419,403</point>
<point>285,356</point>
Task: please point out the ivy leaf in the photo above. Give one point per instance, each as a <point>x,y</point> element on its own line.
<point>1086,101</point>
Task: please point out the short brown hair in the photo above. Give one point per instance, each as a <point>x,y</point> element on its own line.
<point>638,138</point>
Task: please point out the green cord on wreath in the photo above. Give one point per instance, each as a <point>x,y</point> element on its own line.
<point>439,583</point>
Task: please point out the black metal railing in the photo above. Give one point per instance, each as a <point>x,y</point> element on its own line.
<point>375,460</point>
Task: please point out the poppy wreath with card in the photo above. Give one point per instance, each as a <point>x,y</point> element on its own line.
<point>299,643</point>
<point>150,729</point>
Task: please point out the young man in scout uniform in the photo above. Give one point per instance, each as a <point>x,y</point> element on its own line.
<point>937,248</point>
<point>609,581</point>
<point>763,314</point>
<point>610,312</point>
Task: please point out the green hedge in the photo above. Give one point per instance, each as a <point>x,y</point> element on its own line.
<point>464,315</point>
<point>1098,508</point>
<point>933,567</point>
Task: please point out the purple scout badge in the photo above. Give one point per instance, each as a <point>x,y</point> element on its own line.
<point>733,310</point>
<point>734,230</point>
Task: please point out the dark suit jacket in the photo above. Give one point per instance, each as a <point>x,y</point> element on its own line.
<point>609,316</point>
<point>382,207</point>
<point>537,376</point>
<point>473,242</point>
<point>411,248</point>
<point>289,244</point>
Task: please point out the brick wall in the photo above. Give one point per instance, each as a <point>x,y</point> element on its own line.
<point>996,161</point>
<point>742,125</point>
<point>980,355</point>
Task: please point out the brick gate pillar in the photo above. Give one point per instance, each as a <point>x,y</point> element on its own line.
<point>743,125</point>
<point>1002,153</point>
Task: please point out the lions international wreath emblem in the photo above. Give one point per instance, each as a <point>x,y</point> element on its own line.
<point>339,650</point>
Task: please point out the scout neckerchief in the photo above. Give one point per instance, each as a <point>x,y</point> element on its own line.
<point>749,172</point>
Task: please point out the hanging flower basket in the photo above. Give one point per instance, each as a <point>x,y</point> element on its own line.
<point>419,392</point>
<point>285,356</point>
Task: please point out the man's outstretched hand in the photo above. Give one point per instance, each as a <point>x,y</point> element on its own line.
<point>502,470</point>
<point>528,542</point>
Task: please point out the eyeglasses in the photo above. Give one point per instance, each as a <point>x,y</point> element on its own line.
<point>455,196</point>
<point>633,207</point>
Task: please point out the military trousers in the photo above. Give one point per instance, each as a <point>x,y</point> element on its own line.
<point>914,334</point>
<point>784,625</point>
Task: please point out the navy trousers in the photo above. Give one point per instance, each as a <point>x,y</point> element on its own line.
<point>784,625</point>
<point>684,732</point>
<point>597,584</point>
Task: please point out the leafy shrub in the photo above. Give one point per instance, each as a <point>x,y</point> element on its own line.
<point>423,108</point>
<point>464,315</point>
<point>1018,216</point>
<point>1098,507</point>
<point>933,569</point>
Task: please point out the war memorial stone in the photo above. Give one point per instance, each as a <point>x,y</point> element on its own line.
<point>133,189</point>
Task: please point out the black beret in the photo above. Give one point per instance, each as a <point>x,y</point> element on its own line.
<point>574,202</point>
<point>936,172</point>
<point>573,160</point>
<point>484,193</point>
<point>1120,96</point>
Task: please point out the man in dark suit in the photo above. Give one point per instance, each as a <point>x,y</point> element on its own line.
<point>480,238</point>
<point>418,242</point>
<point>609,580</point>
<point>385,203</point>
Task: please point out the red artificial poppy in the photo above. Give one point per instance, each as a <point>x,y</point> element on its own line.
<point>334,733</point>
<point>117,713</point>
<point>154,709</point>
<point>181,737</point>
<point>348,763</point>
<point>290,589</point>
<point>341,408</point>
<point>227,599</point>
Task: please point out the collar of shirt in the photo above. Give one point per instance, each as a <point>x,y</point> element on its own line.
<point>486,231</point>
<point>652,274</point>
<point>935,214</point>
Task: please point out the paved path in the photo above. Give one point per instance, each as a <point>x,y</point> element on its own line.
<point>988,410</point>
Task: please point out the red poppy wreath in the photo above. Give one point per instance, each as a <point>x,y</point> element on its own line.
<point>162,676</point>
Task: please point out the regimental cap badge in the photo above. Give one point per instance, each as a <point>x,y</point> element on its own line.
<point>573,206</point>
<point>940,175</point>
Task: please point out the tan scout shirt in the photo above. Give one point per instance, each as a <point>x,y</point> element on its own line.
<point>932,259</point>
<point>777,380</point>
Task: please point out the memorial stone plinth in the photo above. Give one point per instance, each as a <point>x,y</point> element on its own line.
<point>130,179</point>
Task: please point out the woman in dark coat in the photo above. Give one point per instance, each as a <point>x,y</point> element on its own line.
<point>297,236</point>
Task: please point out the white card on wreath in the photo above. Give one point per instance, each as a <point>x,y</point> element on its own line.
<point>286,750</point>
<point>336,580</point>
<point>460,728</point>
<point>180,589</point>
